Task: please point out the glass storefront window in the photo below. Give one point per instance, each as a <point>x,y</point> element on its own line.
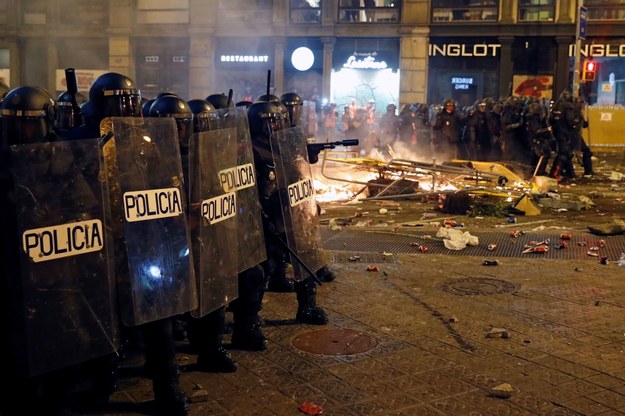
<point>537,10</point>
<point>463,10</point>
<point>605,10</point>
<point>305,11</point>
<point>369,11</point>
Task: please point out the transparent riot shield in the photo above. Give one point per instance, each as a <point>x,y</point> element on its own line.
<point>63,294</point>
<point>251,242</point>
<point>213,217</point>
<point>148,204</point>
<point>297,201</point>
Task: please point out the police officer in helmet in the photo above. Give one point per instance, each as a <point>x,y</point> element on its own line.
<point>116,95</point>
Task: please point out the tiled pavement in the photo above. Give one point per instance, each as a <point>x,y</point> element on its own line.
<point>422,322</point>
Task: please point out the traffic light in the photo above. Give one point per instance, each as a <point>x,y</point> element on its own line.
<point>590,70</point>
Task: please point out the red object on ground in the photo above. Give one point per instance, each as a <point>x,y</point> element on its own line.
<point>311,408</point>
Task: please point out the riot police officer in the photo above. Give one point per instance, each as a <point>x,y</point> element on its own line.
<point>116,95</point>
<point>247,333</point>
<point>204,333</point>
<point>18,128</point>
<point>265,118</point>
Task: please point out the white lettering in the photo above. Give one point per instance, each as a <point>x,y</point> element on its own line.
<point>599,50</point>
<point>151,204</point>
<point>66,240</point>
<point>457,49</point>
<point>244,58</point>
<point>368,62</point>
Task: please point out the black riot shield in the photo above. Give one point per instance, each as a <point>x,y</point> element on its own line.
<point>213,217</point>
<point>148,204</point>
<point>62,295</point>
<point>297,201</point>
<point>252,240</point>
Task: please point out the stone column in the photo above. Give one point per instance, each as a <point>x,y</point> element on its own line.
<point>121,56</point>
<point>414,66</point>
<point>562,81</point>
<point>505,65</point>
<point>202,48</point>
<point>278,67</point>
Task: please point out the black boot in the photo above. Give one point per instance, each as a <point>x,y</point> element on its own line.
<point>160,357</point>
<point>205,336</point>
<point>246,331</point>
<point>307,310</point>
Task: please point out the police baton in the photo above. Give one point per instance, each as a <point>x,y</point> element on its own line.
<point>299,260</point>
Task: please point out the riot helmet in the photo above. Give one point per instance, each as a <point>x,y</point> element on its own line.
<point>219,101</point>
<point>67,116</point>
<point>269,97</point>
<point>243,103</point>
<point>294,106</point>
<point>115,95</point>
<point>566,96</point>
<point>145,106</point>
<point>265,118</point>
<point>535,109</point>
<point>177,108</point>
<point>27,115</point>
<point>203,115</point>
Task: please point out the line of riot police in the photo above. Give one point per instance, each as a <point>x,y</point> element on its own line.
<point>144,215</point>
<point>537,133</point>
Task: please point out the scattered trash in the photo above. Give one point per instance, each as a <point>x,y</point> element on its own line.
<point>604,260</point>
<point>354,258</point>
<point>491,247</point>
<point>621,260</point>
<point>565,236</point>
<point>311,408</point>
<point>516,234</point>
<point>372,268</point>
<point>490,263</point>
<point>498,333</point>
<point>453,319</point>
<point>593,254</point>
<point>561,245</point>
<point>383,211</point>
<point>512,220</point>
<point>503,391</point>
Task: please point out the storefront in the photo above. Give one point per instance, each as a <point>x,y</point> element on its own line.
<point>365,69</point>
<point>608,88</point>
<point>242,65</point>
<point>464,69</point>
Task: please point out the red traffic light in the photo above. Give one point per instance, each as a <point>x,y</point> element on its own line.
<point>590,69</point>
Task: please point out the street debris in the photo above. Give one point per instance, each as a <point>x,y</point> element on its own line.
<point>498,333</point>
<point>503,391</point>
<point>311,408</point>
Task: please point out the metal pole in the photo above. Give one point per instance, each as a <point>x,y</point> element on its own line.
<point>578,47</point>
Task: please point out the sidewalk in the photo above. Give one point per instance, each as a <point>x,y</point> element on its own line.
<point>428,334</point>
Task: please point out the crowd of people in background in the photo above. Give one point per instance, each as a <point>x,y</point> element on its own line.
<point>542,134</point>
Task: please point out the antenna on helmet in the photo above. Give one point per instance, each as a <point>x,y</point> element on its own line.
<point>268,81</point>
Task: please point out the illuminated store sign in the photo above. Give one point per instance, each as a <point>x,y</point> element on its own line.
<point>492,49</point>
<point>245,58</point>
<point>461,83</point>
<point>599,50</point>
<point>366,62</point>
<point>460,49</point>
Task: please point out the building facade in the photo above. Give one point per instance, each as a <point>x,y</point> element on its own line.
<point>342,51</point>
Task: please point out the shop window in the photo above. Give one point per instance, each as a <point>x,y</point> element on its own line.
<point>34,12</point>
<point>85,12</point>
<point>605,10</point>
<point>369,11</point>
<point>465,10</point>
<point>537,10</point>
<point>305,11</point>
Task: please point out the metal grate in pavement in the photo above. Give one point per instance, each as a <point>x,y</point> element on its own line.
<point>580,246</point>
<point>363,257</point>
